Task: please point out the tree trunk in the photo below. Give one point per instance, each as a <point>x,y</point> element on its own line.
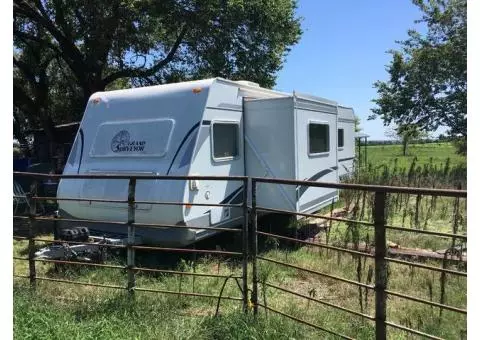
<point>93,85</point>
<point>17,130</point>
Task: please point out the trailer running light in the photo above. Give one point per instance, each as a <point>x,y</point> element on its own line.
<point>188,206</point>
<point>194,185</point>
<point>197,90</point>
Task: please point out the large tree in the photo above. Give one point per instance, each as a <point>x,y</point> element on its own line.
<point>427,83</point>
<point>66,50</point>
<point>406,134</point>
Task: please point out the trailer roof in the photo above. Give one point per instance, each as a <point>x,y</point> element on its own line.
<point>248,89</point>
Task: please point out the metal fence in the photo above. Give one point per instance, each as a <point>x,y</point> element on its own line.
<point>131,247</point>
<point>250,233</point>
<point>380,254</point>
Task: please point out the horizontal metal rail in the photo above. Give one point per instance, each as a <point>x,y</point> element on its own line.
<point>413,331</point>
<point>101,265</point>
<point>21,276</point>
<point>140,269</point>
<point>423,266</point>
<point>45,198</point>
<point>107,245</point>
<point>79,283</point>
<point>78,220</point>
<point>188,294</point>
<point>366,187</point>
<point>184,250</point>
<point>328,218</point>
<point>141,225</point>
<point>320,245</point>
<point>430,303</point>
<point>426,232</point>
<point>351,311</point>
<point>305,322</point>
<point>192,204</point>
<point>318,273</point>
<point>163,226</point>
<point>365,223</point>
<point>98,200</point>
<point>20,238</point>
<point>185,273</point>
<point>136,288</point>
<point>418,231</point>
<point>137,177</point>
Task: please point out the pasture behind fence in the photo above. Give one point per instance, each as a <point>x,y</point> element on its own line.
<point>382,201</point>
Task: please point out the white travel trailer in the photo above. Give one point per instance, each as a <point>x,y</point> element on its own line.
<point>207,127</point>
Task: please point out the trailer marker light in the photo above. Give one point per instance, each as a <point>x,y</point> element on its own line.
<point>197,90</point>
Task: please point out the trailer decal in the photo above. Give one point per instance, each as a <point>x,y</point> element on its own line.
<point>181,144</point>
<point>232,195</point>
<point>81,151</point>
<point>301,189</point>
<point>121,143</point>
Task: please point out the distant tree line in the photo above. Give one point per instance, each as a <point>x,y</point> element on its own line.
<point>420,141</point>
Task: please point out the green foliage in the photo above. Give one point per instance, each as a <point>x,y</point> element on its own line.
<point>66,50</point>
<point>461,146</point>
<point>428,76</point>
<point>357,124</point>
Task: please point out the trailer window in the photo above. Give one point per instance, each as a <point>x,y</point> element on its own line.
<point>225,141</point>
<point>340,138</point>
<point>319,138</point>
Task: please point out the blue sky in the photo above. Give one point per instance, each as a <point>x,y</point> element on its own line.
<point>342,51</point>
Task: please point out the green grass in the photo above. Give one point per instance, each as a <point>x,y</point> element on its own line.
<point>438,152</point>
<point>117,316</point>
<point>58,310</point>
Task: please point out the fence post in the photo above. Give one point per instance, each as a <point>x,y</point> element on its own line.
<point>131,235</point>
<point>245,245</point>
<point>32,203</point>
<point>380,267</point>
<point>254,248</point>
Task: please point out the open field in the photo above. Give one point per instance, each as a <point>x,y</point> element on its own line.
<point>59,310</point>
<point>437,153</point>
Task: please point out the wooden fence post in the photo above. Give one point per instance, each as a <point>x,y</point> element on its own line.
<point>32,203</point>
<point>380,266</point>
<point>131,235</point>
<point>245,245</point>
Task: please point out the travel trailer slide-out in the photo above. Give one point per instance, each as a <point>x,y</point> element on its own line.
<point>213,127</point>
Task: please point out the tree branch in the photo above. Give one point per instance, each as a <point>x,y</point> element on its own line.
<point>23,100</point>
<point>27,71</point>
<point>28,37</point>
<point>72,55</point>
<point>138,72</point>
